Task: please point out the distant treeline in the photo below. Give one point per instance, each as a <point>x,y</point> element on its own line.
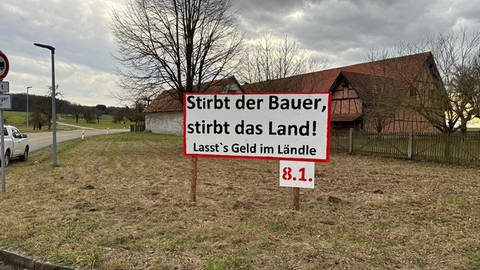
<point>41,113</point>
<point>19,103</point>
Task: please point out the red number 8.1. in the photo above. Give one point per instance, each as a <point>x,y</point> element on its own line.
<point>287,174</point>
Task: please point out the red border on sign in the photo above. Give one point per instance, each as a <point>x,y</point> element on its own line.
<point>7,66</point>
<point>327,159</point>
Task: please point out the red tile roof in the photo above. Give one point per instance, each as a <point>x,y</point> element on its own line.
<point>345,117</point>
<point>401,68</point>
<point>371,83</point>
<point>168,101</point>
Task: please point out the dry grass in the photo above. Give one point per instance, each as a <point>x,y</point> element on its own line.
<point>121,202</point>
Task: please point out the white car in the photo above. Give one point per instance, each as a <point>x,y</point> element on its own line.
<point>16,144</point>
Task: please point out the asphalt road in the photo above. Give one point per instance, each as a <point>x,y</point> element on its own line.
<point>44,139</point>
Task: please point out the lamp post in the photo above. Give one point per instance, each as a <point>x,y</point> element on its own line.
<point>28,87</point>
<point>54,117</point>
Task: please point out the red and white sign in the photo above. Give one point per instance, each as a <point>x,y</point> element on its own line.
<point>297,174</point>
<point>284,126</point>
<point>4,65</point>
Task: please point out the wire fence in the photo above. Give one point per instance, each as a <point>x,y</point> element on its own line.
<point>452,148</point>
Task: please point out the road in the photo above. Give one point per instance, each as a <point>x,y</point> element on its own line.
<point>44,139</point>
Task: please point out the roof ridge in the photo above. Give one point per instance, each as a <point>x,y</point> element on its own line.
<point>427,53</point>
<point>346,72</point>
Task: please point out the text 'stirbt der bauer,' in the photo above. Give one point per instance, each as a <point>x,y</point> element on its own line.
<point>286,126</point>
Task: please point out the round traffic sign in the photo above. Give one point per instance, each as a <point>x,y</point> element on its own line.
<point>4,65</point>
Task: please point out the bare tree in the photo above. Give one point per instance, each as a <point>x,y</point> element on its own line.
<point>174,44</point>
<point>380,92</point>
<point>380,97</point>
<point>454,99</point>
<point>40,113</point>
<point>271,58</point>
<point>465,98</point>
<point>77,110</point>
<point>48,107</point>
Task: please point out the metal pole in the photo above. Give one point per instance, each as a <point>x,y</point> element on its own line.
<point>2,142</point>
<point>54,112</point>
<point>27,103</point>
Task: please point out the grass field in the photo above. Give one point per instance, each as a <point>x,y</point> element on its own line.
<point>106,121</point>
<point>19,119</point>
<point>122,202</point>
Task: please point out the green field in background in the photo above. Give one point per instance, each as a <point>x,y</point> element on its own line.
<point>19,119</point>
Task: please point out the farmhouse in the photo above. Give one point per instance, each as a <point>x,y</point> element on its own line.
<point>372,96</point>
<point>165,113</point>
<point>368,96</point>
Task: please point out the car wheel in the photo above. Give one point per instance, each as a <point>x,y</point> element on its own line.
<point>7,158</point>
<point>24,157</point>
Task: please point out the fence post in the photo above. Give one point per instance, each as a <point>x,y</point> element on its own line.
<point>410,145</point>
<point>350,141</point>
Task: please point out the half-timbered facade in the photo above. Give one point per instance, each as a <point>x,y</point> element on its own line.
<point>371,96</point>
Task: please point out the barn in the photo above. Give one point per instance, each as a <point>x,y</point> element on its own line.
<point>368,96</point>
<point>165,113</point>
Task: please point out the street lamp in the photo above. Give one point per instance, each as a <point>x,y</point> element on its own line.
<point>54,116</point>
<point>28,87</point>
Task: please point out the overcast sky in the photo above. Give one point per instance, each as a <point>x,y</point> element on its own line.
<point>341,31</point>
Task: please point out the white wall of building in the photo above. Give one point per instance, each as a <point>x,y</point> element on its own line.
<point>172,122</point>
<point>164,123</point>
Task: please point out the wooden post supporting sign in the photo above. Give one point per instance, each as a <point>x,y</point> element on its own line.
<point>290,127</point>
<point>296,199</point>
<point>297,174</point>
<point>193,183</point>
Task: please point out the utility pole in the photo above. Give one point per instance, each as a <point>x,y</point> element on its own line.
<point>28,87</point>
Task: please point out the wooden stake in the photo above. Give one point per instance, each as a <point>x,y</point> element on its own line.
<point>193,184</point>
<point>296,199</point>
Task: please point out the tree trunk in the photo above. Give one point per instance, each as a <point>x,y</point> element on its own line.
<point>463,126</point>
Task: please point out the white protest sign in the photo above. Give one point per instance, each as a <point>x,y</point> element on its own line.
<point>286,126</point>
<point>297,174</point>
